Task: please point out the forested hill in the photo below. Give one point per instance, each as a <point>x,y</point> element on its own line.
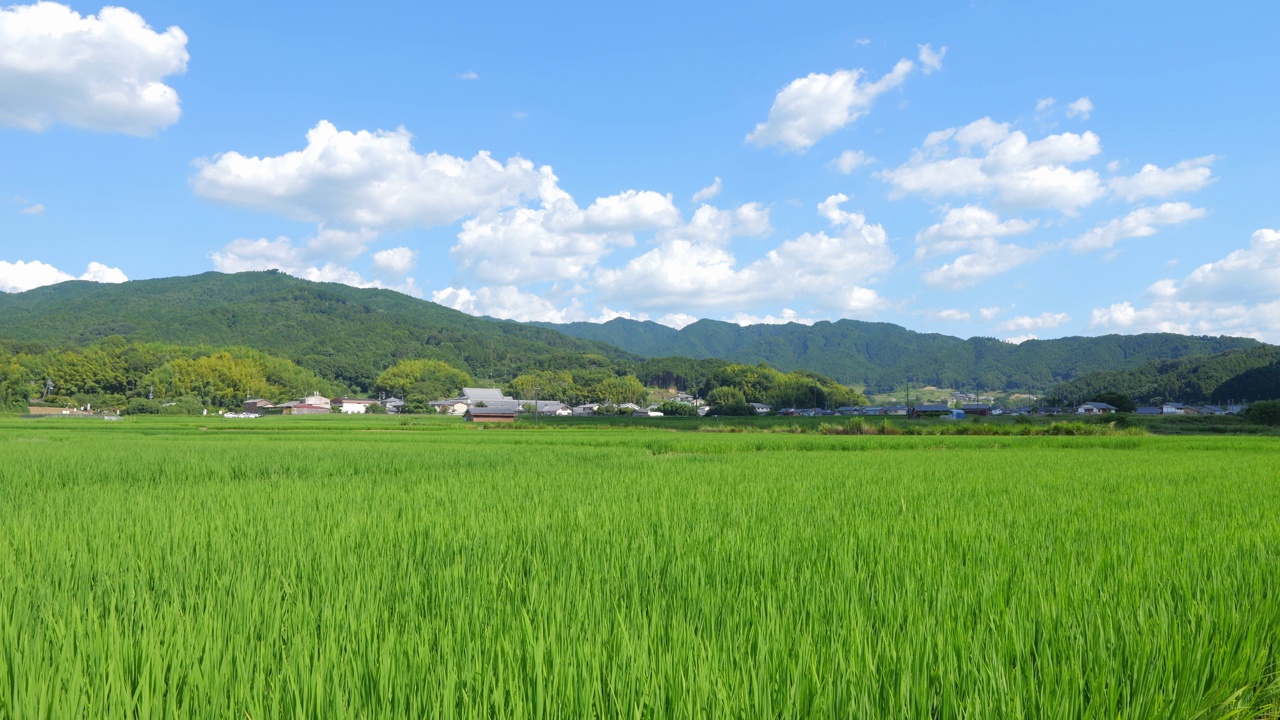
<point>882,355</point>
<point>343,333</point>
<point>1234,375</point>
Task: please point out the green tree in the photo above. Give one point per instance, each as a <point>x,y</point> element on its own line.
<point>727,400</point>
<point>618,390</point>
<point>1266,412</point>
<point>678,409</point>
<point>420,381</point>
<point>14,387</point>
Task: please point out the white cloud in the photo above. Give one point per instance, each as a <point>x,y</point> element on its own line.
<point>1138,223</point>
<point>862,42</point>
<point>1019,339</point>
<point>961,226</point>
<point>786,316</point>
<point>37,209</point>
<point>1237,295</point>
<point>321,258</point>
<point>1043,321</point>
<point>1030,174</point>
<point>469,75</point>
<point>850,160</point>
<point>558,241</point>
<point>677,320</point>
<point>988,259</point>
<point>282,254</point>
<point>373,180</point>
<point>953,315</point>
<point>506,303</point>
<point>990,313</point>
<point>692,268</point>
<point>812,107</point>
<point>1044,104</point>
<point>395,262</point>
<point>931,60</point>
<point>709,191</point>
<point>97,272</point>
<point>21,276</point>
<point>1154,181</point>
<point>1081,108</point>
<point>100,72</point>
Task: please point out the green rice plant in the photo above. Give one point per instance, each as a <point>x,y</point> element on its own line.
<point>349,567</point>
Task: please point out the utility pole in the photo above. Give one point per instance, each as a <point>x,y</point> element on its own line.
<point>535,405</point>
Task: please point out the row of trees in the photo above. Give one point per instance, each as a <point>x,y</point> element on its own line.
<point>730,389</point>
<point>113,372</point>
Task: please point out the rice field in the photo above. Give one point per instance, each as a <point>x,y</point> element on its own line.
<point>336,567</point>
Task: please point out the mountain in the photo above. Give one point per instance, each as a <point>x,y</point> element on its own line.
<point>343,333</point>
<point>1260,383</point>
<point>882,355</point>
<point>1236,374</point>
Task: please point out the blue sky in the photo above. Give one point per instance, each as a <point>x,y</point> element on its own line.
<point>984,168</point>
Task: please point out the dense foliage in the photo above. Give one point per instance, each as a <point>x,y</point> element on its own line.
<point>114,372</point>
<point>348,335</point>
<point>1261,383</point>
<point>1190,380</point>
<point>882,356</point>
<point>763,384</point>
<point>1265,412</point>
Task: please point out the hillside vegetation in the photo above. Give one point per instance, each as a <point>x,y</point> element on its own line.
<point>881,356</point>
<point>1190,380</point>
<point>346,334</point>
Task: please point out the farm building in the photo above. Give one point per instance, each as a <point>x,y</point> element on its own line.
<point>490,415</point>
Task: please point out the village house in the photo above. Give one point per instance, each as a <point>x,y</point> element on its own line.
<point>1096,408</point>
<point>354,406</point>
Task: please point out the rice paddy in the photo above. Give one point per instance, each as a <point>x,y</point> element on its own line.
<point>336,567</point>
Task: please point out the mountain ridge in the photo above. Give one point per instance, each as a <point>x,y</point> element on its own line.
<point>882,355</point>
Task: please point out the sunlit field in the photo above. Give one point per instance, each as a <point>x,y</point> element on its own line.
<point>332,567</point>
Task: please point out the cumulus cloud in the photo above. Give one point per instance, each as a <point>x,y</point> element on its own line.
<point>812,107</point>
<point>693,268</point>
<point>1081,108</point>
<point>850,160</point>
<point>786,316</point>
<point>37,209</point>
<point>97,72</point>
<point>961,226</point>
<point>558,240</point>
<point>1019,339</point>
<point>1044,104</point>
<point>21,276</point>
<point>987,259</point>
<point>395,262</point>
<point>1154,181</point>
<point>709,191</point>
<point>505,303</point>
<point>1018,171</point>
<point>678,321</point>
<point>322,258</point>
<point>373,180</point>
<point>990,313</point>
<point>1139,223</point>
<point>1237,295</point>
<point>1043,321</point>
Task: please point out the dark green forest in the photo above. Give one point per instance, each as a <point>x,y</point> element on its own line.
<point>882,356</point>
<point>1233,375</point>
